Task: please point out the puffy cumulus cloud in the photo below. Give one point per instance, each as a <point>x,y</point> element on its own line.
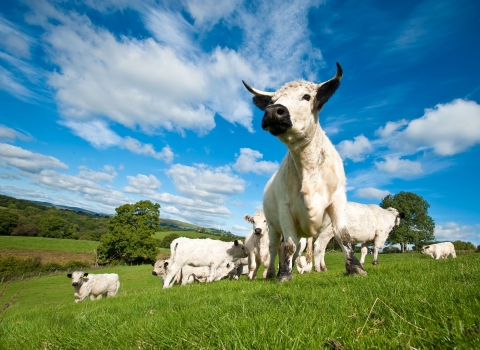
<point>371,193</point>
<point>355,150</point>
<point>86,188</point>
<point>448,128</point>
<point>167,81</point>
<point>390,128</point>
<point>98,134</point>
<point>142,184</point>
<point>203,182</point>
<point>10,134</point>
<point>26,160</point>
<point>399,167</point>
<point>248,161</point>
<point>97,176</point>
<point>453,231</point>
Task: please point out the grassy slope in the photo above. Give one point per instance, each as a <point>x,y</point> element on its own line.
<point>42,243</point>
<point>441,297</point>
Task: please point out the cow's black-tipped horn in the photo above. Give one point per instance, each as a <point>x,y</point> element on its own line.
<point>339,73</point>
<point>256,91</point>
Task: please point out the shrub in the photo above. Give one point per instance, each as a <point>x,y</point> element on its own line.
<point>391,249</point>
<point>167,240</point>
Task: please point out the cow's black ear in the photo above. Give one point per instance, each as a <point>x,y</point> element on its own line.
<point>153,264</point>
<point>85,274</point>
<point>165,264</point>
<point>262,101</point>
<point>401,215</point>
<point>236,242</point>
<point>69,275</point>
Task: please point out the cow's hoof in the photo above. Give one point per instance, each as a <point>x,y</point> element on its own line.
<point>284,278</point>
<point>356,270</point>
<point>374,262</point>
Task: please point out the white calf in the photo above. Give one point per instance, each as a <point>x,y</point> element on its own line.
<point>95,286</point>
<point>440,250</point>
<point>366,224</point>
<point>201,252</point>
<point>257,244</point>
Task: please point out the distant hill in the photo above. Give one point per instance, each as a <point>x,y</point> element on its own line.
<point>75,209</point>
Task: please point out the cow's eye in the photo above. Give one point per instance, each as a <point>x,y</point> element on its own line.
<point>306,97</point>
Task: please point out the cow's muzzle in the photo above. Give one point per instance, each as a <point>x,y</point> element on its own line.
<point>74,284</point>
<point>154,273</point>
<point>258,231</point>
<point>276,120</point>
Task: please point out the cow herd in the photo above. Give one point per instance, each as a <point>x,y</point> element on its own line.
<point>304,200</point>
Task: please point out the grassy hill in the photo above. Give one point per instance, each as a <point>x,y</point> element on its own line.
<point>408,301</point>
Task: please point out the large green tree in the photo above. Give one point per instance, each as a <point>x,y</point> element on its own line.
<point>8,221</point>
<point>417,226</point>
<point>130,234</point>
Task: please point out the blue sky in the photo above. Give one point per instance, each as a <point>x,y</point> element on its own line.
<point>104,103</point>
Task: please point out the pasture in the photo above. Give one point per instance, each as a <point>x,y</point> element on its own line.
<point>407,301</point>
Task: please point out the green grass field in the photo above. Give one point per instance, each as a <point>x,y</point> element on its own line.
<point>42,243</point>
<point>420,303</point>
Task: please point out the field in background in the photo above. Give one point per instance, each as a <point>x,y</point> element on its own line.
<point>419,303</point>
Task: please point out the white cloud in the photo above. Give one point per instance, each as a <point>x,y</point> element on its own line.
<point>448,128</point>
<point>390,128</point>
<point>241,228</point>
<point>11,134</point>
<point>371,193</point>
<point>96,176</point>
<point>453,231</point>
<point>209,12</point>
<point>399,167</point>
<point>98,134</point>
<point>13,40</point>
<point>355,150</point>
<point>203,182</point>
<point>142,184</point>
<point>248,161</point>
<point>26,160</point>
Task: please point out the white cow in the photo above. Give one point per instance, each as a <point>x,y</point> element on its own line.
<point>189,274</point>
<point>311,179</point>
<point>366,224</point>
<point>440,250</point>
<point>304,263</point>
<point>201,252</point>
<point>257,244</point>
<point>95,286</point>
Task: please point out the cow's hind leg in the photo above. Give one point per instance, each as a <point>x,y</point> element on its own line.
<point>286,265</point>
<point>337,214</point>
<point>319,248</point>
<point>364,251</point>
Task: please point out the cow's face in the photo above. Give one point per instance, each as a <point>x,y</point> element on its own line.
<point>259,222</point>
<point>78,277</point>
<point>291,113</point>
<point>237,250</point>
<point>160,268</point>
<point>427,250</point>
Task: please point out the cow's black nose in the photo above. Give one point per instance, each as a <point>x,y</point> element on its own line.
<point>154,273</point>
<point>258,231</point>
<point>74,284</point>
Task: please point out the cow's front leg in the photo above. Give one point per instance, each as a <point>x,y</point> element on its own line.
<point>289,249</point>
<point>319,248</point>
<point>273,248</point>
<point>252,266</point>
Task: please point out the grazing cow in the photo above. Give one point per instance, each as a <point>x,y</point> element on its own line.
<point>440,250</point>
<point>201,252</point>
<point>257,244</point>
<point>189,274</point>
<point>311,179</point>
<point>366,224</point>
<point>85,284</point>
